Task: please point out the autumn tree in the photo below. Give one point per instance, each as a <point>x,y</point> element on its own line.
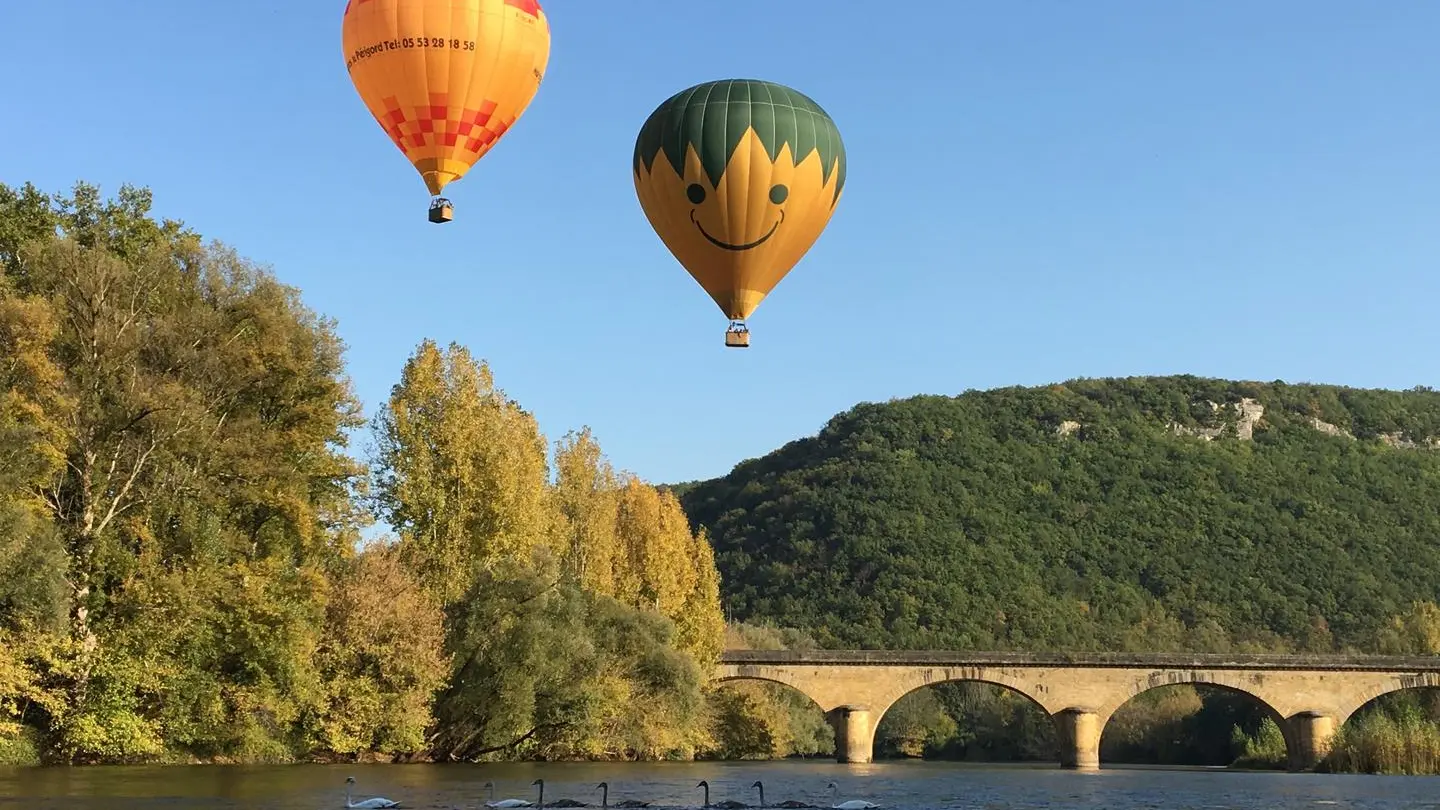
<point>31,593</point>
<point>460,471</point>
<point>1413,632</point>
<point>545,669</point>
<point>587,495</point>
<point>700,624</point>
<point>626,539</point>
<point>381,657</point>
<point>33,597</point>
<point>581,614</point>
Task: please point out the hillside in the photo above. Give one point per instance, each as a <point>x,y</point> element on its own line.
<point>1162,513</point>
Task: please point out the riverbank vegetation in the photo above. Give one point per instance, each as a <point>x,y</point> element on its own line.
<point>180,529</point>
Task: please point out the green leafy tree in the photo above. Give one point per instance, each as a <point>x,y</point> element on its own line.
<point>186,417</point>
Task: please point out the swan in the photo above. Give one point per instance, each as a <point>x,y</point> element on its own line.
<point>728,804</point>
<point>376,802</point>
<point>760,786</point>
<point>560,803</point>
<point>490,786</point>
<point>852,804</point>
<point>604,787</point>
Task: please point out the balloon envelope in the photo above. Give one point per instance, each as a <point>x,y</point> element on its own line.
<point>446,79</point>
<point>738,177</point>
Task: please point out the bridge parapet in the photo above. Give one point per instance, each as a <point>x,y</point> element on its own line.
<point>932,658</point>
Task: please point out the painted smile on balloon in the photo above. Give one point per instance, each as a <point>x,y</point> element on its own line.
<point>727,245</point>
<point>696,194</point>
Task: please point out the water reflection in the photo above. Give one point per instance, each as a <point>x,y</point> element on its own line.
<point>892,785</point>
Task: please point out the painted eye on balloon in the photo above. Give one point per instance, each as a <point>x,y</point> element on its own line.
<point>696,193</point>
<point>779,193</point>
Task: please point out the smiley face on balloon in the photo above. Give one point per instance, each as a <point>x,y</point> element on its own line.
<point>738,178</point>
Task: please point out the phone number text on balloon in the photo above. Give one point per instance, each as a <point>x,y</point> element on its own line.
<point>405,43</point>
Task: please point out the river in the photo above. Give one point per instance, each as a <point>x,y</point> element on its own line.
<point>893,785</point>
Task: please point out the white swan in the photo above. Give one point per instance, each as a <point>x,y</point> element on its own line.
<point>490,786</point>
<point>367,804</point>
<point>852,804</point>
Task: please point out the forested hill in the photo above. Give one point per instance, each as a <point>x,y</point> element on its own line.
<point>1161,513</point>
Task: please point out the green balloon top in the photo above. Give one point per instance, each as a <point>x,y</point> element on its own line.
<point>714,116</point>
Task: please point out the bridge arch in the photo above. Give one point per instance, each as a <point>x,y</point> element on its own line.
<point>748,717</point>
<point>996,685</point>
<point>1241,682</point>
<point>913,681</point>
<point>851,722</point>
<point>1386,686</point>
<point>1197,720</point>
<point>1364,741</point>
<point>775,678</point>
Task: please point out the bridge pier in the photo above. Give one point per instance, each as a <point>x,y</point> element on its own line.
<point>854,734</point>
<point>1079,732</point>
<point>1311,734</point>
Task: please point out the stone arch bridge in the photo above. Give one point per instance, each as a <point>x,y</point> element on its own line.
<point>1309,696</point>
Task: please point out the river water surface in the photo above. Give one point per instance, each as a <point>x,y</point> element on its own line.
<point>894,786</point>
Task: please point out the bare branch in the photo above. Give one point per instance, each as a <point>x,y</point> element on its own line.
<point>115,503</point>
<point>518,740</point>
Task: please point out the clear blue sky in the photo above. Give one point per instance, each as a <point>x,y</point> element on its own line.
<point>1038,190</point>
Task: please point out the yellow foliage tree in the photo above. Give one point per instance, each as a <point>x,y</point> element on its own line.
<point>381,657</point>
<point>657,571</point>
<point>626,539</point>
<point>1414,632</point>
<point>463,475</point>
<point>462,471</point>
<point>701,623</point>
<point>587,497</point>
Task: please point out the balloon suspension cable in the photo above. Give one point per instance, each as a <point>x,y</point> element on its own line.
<point>738,335</point>
<point>441,210</point>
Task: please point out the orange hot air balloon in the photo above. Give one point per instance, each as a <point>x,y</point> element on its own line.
<point>446,79</point>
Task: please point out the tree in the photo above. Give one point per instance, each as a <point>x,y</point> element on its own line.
<point>32,594</point>
<point>587,493</point>
<point>197,411</point>
<point>1414,632</point>
<point>656,572</point>
<point>626,539</point>
<point>700,622</point>
<point>580,613</point>
<point>381,657</point>
<point>460,471</point>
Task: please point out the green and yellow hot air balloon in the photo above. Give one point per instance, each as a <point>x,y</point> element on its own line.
<point>750,175</point>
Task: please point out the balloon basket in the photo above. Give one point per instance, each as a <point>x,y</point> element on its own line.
<point>441,210</point>
<point>737,336</point>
